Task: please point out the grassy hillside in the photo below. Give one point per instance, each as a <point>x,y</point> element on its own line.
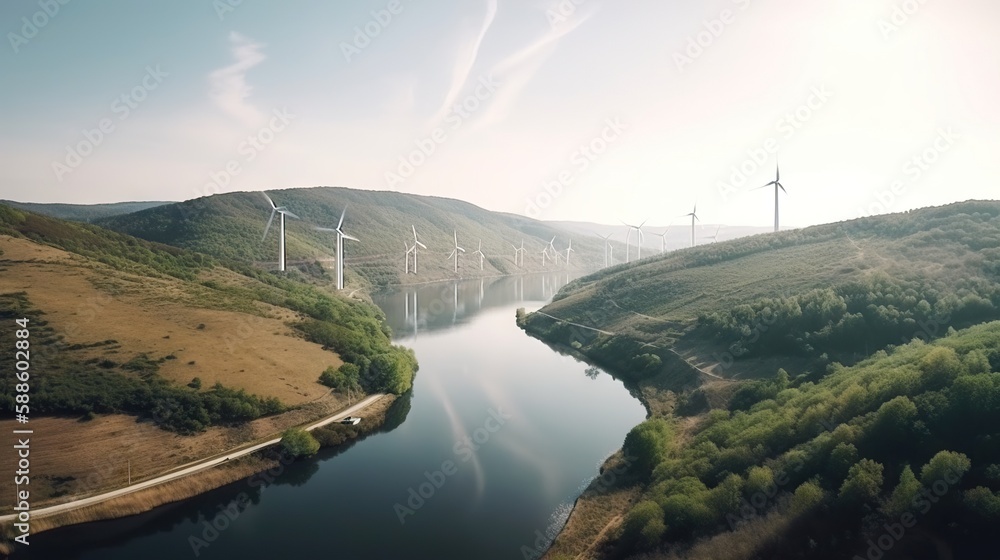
<point>111,311</point>
<point>801,298</point>
<point>809,394</point>
<point>230,226</point>
<point>82,212</point>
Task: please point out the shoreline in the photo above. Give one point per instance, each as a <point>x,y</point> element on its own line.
<point>207,475</point>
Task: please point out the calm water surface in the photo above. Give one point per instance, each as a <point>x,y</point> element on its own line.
<point>539,423</point>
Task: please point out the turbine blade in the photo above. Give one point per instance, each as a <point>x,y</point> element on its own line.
<point>341,222</point>
<point>287,213</point>
<point>268,228</point>
<point>782,187</point>
<point>345,236</point>
<point>269,201</point>
<point>421,244</point>
<point>330,230</point>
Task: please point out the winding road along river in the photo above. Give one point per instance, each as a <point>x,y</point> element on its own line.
<point>485,457</point>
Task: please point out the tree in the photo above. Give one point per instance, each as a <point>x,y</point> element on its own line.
<point>195,383</point>
<point>902,497</point>
<point>643,525</point>
<point>947,466</point>
<point>863,483</point>
<point>299,443</point>
<point>648,443</point>
<point>807,496</point>
<point>940,367</point>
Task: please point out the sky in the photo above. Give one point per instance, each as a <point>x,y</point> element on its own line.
<point>587,110</point>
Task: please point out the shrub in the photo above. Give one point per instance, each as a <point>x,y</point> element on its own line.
<point>299,443</point>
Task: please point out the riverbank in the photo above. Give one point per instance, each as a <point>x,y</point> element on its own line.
<point>200,481</point>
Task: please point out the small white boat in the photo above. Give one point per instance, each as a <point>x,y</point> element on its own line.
<point>351,420</point>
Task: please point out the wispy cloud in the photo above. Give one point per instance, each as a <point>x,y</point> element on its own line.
<point>516,71</point>
<point>229,88</point>
<point>465,64</point>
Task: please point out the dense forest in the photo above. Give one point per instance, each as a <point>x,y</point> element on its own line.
<point>907,439</point>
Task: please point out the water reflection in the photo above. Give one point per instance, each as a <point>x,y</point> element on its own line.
<point>441,306</point>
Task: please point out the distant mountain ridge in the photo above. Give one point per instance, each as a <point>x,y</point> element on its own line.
<point>84,212</point>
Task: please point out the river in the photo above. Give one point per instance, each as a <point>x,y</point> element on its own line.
<point>486,455</point>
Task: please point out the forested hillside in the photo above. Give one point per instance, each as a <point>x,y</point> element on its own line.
<point>230,226</point>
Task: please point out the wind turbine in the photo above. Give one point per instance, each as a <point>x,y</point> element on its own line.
<point>341,236</point>
<point>607,245</point>
<point>479,252</point>
<point>777,185</point>
<point>416,242</point>
<point>519,251</point>
<point>663,240</point>
<point>555,254</point>
<point>545,253</point>
<point>281,240</point>
<point>694,216</point>
<point>406,268</point>
<point>455,251</point>
<point>714,238</point>
<point>638,229</point>
<point>568,251</point>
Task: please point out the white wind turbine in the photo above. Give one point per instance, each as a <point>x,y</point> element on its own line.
<point>341,236</point>
<point>555,254</point>
<point>663,240</point>
<point>416,243</point>
<point>519,253</point>
<point>455,251</point>
<point>406,267</point>
<point>568,251</point>
<point>777,185</point>
<point>714,238</point>
<point>281,240</point>
<point>607,245</point>
<point>694,217</point>
<point>628,237</point>
<point>479,252</point>
<point>545,253</point>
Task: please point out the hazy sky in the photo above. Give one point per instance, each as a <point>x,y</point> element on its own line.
<point>197,97</point>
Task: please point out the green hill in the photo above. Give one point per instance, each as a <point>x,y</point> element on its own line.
<point>85,273</point>
<point>809,394</point>
<point>83,212</point>
<point>230,226</point>
<point>800,298</point>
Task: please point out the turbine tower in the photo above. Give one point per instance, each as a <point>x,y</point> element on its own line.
<point>455,251</point>
<point>283,211</point>
<point>479,252</point>
<point>694,217</point>
<point>416,243</point>
<point>407,265</point>
<point>777,185</point>
<point>341,236</point>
